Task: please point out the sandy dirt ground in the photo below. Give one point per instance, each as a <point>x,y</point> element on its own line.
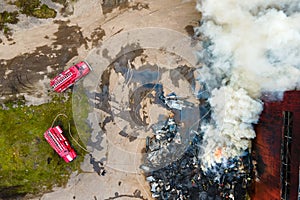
<point>40,49</point>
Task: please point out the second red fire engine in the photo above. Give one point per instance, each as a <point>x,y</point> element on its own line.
<point>68,77</point>
<point>60,144</point>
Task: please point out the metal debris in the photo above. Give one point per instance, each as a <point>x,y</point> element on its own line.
<point>172,101</point>
<point>159,147</point>
<point>183,178</point>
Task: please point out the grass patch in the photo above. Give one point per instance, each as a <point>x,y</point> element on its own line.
<point>8,18</point>
<point>35,9</point>
<point>27,162</point>
<point>44,12</point>
<point>27,6</point>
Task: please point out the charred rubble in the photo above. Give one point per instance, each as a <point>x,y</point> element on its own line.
<point>172,175</point>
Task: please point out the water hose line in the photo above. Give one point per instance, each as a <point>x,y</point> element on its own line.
<point>64,115</point>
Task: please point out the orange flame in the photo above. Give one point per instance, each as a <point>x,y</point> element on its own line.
<point>218,152</point>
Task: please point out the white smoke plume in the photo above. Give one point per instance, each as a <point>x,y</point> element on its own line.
<point>250,47</point>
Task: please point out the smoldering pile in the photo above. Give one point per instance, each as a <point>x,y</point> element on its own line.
<point>172,175</point>
<point>184,178</point>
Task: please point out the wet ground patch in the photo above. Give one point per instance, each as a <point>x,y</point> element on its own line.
<point>109,5</point>
<point>96,36</point>
<point>190,30</point>
<point>21,73</point>
<point>66,10</point>
<point>136,195</point>
<point>183,72</point>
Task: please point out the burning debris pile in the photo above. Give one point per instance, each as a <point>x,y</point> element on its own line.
<point>184,178</point>
<point>175,175</point>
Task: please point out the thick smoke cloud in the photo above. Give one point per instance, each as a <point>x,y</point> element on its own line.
<point>249,47</point>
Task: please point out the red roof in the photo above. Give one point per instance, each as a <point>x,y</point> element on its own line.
<point>276,149</point>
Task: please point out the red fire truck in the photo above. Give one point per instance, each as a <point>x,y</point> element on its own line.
<point>59,143</point>
<point>68,77</point>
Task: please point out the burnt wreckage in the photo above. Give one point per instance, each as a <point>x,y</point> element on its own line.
<point>172,162</point>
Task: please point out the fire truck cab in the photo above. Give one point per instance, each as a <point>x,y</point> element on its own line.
<point>60,144</point>
<point>68,77</point>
